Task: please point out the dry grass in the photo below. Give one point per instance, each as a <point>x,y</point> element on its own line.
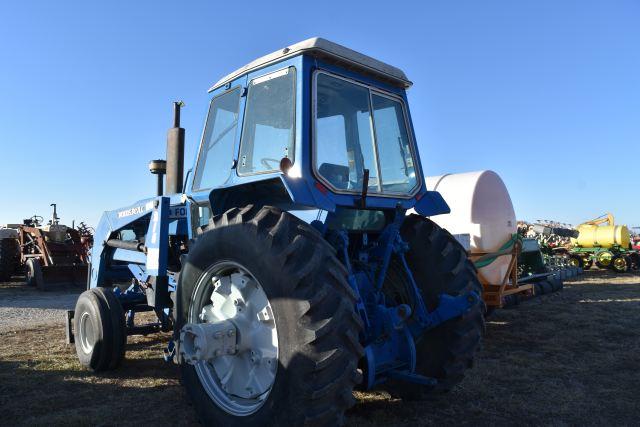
<point>564,359</point>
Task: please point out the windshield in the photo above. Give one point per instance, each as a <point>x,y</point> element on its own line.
<point>358,128</point>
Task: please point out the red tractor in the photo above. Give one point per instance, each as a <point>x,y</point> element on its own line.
<point>50,253</point>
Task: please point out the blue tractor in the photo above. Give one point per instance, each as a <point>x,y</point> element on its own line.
<point>287,264</point>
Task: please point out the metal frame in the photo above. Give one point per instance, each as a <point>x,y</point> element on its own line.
<point>494,293</point>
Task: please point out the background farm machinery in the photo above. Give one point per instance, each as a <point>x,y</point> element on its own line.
<point>48,254</point>
<point>598,242</point>
<point>602,243</point>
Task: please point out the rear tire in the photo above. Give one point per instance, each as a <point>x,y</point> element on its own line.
<point>313,307</point>
<point>440,265</point>
<point>8,258</point>
<point>99,330</point>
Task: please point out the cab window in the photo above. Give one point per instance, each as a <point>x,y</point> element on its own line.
<point>216,155</point>
<point>269,122</point>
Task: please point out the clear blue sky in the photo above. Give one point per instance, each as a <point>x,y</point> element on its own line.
<point>546,93</point>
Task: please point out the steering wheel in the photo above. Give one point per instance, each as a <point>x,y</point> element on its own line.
<point>265,162</point>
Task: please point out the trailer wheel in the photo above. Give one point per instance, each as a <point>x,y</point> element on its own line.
<point>603,259</point>
<point>587,264</point>
<point>537,289</point>
<point>621,263</point>
<point>440,265</point>
<point>8,258</point>
<point>546,287</point>
<point>555,283</point>
<point>98,329</point>
<point>34,273</point>
<point>576,261</point>
<point>268,261</point>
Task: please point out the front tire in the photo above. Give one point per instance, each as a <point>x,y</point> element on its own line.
<point>34,274</point>
<point>313,308</point>
<point>439,265</point>
<point>99,329</point>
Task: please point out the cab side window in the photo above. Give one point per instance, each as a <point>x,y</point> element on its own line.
<point>269,122</point>
<point>216,154</point>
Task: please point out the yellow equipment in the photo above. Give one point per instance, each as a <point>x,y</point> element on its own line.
<point>595,235</point>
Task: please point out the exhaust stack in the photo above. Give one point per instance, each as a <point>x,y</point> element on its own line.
<point>175,152</point>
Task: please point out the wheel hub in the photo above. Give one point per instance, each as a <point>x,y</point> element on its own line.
<point>87,334</point>
<point>232,339</point>
<point>620,263</point>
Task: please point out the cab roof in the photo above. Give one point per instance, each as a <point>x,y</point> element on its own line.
<point>330,52</point>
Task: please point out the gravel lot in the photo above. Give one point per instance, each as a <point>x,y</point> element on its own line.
<point>23,307</point>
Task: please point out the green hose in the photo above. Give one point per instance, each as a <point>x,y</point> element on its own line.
<point>505,249</point>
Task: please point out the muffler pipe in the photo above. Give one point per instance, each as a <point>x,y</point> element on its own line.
<point>175,153</point>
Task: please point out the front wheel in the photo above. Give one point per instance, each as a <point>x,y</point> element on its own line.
<point>279,288</point>
<point>34,273</point>
<point>99,330</point>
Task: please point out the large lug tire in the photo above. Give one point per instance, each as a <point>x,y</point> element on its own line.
<point>313,308</point>
<point>99,329</point>
<point>587,264</point>
<point>8,258</point>
<point>440,265</point>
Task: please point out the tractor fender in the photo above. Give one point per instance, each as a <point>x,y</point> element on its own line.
<point>431,203</point>
<point>276,191</point>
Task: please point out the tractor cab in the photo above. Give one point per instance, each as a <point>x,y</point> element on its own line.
<point>315,125</point>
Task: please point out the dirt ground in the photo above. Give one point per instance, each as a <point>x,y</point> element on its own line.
<point>569,358</point>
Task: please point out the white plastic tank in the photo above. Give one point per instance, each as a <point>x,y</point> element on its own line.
<point>480,207</point>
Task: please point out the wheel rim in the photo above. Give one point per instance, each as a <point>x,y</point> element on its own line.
<point>87,334</point>
<point>620,264</point>
<point>604,258</point>
<point>574,262</point>
<point>239,383</point>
